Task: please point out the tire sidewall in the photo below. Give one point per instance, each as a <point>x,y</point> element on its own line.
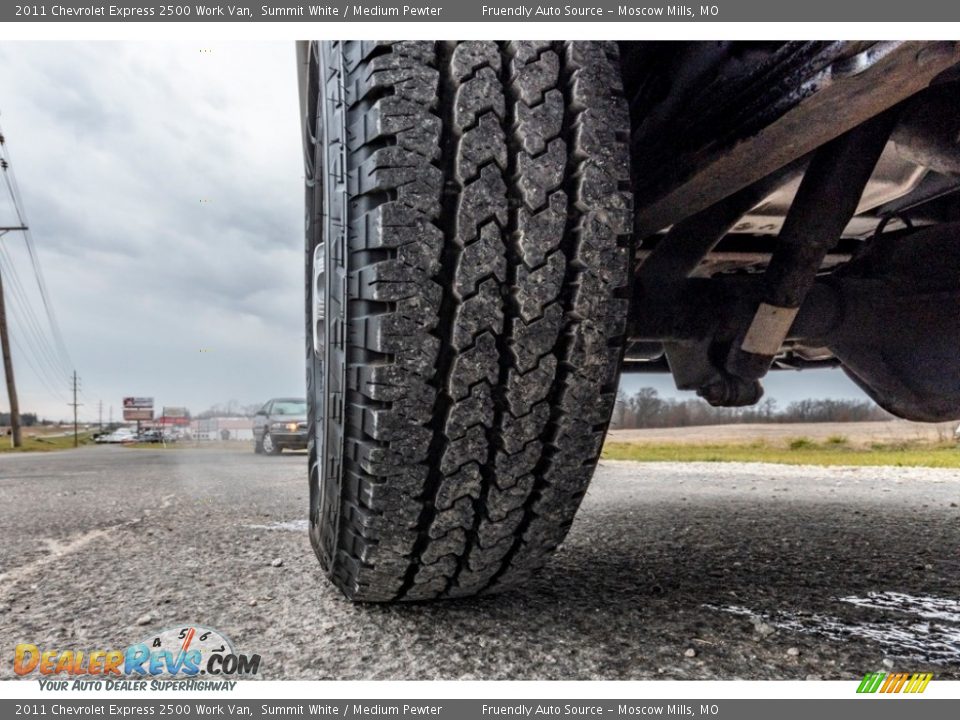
<point>315,370</point>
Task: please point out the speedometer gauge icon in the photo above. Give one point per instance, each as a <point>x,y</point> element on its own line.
<point>186,649</point>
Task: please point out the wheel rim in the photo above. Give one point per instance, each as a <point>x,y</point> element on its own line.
<point>319,300</point>
<point>267,443</point>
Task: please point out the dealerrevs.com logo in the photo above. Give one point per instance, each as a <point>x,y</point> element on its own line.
<point>175,654</point>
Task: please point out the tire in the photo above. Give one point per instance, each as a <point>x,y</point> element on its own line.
<point>268,446</point>
<point>258,446</point>
<point>468,205</point>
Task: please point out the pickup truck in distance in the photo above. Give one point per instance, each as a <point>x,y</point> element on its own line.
<point>497,230</point>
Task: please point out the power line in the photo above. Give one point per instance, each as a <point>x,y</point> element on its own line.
<point>29,338</point>
<point>28,321</point>
<point>47,360</point>
<point>14,190</point>
<point>46,384</point>
<point>58,346</point>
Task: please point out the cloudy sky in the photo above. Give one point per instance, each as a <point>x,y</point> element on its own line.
<point>164,190</point>
<point>163,186</point>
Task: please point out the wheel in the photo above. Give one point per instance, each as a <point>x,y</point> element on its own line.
<point>468,221</point>
<point>268,446</point>
<point>258,445</point>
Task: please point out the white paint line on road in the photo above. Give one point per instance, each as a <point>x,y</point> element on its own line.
<point>57,549</point>
<point>288,525</point>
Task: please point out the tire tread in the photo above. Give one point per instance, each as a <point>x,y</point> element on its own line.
<point>487,299</point>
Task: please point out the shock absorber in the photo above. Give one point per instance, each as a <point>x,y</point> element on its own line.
<point>825,202</point>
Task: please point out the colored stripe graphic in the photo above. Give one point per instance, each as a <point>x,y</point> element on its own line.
<point>923,679</point>
<point>867,679</point>
<point>901,679</point>
<point>894,683</point>
<point>889,683</point>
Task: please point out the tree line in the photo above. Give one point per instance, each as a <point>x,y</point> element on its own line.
<point>26,419</point>
<point>646,409</point>
<point>231,408</point>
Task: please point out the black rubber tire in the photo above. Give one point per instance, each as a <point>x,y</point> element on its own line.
<point>473,201</point>
<point>257,445</point>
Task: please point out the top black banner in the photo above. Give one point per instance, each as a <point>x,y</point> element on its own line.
<point>490,11</point>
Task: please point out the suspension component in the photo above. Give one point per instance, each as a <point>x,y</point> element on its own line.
<point>825,202</point>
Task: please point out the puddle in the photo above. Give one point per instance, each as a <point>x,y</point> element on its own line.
<point>287,525</point>
<point>926,634</point>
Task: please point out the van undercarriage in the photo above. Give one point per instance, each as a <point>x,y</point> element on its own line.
<point>798,206</point>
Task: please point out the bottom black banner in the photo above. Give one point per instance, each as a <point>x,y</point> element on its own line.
<point>871,708</point>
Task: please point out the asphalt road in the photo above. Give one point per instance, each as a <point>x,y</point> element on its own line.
<point>671,571</point>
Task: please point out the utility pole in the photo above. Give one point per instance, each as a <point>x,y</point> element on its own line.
<point>75,404</point>
<point>7,360</point>
<point>100,416</point>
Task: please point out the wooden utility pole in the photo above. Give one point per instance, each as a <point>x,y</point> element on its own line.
<point>7,360</point>
<point>76,442</point>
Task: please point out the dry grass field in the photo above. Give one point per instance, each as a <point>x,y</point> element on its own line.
<point>857,434</point>
<point>897,443</point>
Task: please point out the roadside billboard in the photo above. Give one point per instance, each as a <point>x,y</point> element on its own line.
<point>137,414</point>
<point>137,408</point>
<point>138,402</point>
<point>175,412</point>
